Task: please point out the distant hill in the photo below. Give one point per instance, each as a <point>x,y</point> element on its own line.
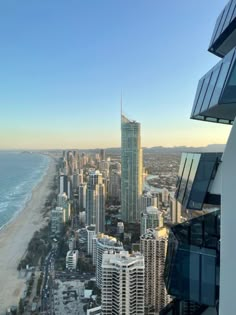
<point>166,150</point>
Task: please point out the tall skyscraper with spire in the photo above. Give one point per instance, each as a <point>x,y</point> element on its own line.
<point>131,170</point>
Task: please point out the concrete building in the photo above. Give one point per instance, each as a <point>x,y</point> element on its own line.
<point>122,283</point>
<point>151,218</point>
<point>165,196</point>
<point>63,202</point>
<point>114,187</point>
<point>72,259</point>
<point>131,170</point>
<point>148,199</point>
<point>91,233</point>
<point>82,190</point>
<point>175,210</point>
<point>154,247</point>
<point>95,311</point>
<point>120,227</point>
<point>95,201</point>
<point>57,220</point>
<point>63,184</point>
<point>102,244</point>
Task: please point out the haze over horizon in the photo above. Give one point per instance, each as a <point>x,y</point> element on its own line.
<point>65,65</point>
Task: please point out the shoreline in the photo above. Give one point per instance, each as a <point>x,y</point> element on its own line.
<point>16,235</point>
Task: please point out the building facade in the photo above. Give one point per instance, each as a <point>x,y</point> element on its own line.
<point>72,259</point>
<point>131,170</point>
<point>95,201</point>
<point>101,244</point>
<point>122,283</point>
<point>154,248</point>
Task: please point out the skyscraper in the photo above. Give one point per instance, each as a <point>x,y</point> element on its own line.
<point>122,283</point>
<point>154,247</point>
<point>102,244</point>
<point>95,201</point>
<point>131,170</point>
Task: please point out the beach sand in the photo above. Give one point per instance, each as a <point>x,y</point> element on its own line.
<point>14,240</point>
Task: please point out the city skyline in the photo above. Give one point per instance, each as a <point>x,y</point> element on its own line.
<point>64,67</point>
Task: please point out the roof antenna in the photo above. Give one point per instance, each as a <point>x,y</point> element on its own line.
<point>121,104</point>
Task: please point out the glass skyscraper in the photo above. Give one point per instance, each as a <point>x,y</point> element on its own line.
<point>131,170</point>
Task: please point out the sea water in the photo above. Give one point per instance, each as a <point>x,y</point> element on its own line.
<point>19,175</point>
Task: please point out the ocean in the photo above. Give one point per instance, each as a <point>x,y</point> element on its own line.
<point>19,175</point>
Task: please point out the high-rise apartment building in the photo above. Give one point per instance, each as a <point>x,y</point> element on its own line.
<point>131,170</point>
<point>72,259</point>
<point>151,218</point>
<point>91,233</point>
<point>114,187</point>
<point>175,210</point>
<point>154,248</point>
<point>102,244</point>
<point>57,220</point>
<point>122,283</point>
<point>95,201</point>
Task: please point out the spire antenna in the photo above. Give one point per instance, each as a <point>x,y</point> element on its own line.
<point>121,103</point>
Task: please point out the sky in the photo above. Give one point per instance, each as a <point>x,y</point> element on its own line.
<point>64,64</point>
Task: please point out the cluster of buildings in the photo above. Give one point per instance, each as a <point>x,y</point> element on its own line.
<point>182,267</point>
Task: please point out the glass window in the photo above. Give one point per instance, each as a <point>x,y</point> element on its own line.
<point>199,88</point>
<point>229,95</point>
<point>202,94</point>
<point>221,23</point>
<point>208,279</point>
<point>184,180</point>
<point>224,121</point>
<point>181,169</point>
<point>234,12</point>
<point>194,270</point>
<point>216,27</point>
<point>194,166</point>
<point>210,89</point>
<point>231,7</point>
<point>221,79</point>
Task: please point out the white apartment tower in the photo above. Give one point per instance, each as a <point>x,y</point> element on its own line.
<point>122,283</point>
<point>103,244</point>
<point>72,259</point>
<point>154,247</point>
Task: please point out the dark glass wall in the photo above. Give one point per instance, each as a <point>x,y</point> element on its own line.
<point>195,173</point>
<point>192,264</point>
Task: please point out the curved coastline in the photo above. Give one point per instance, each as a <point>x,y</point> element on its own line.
<point>17,233</point>
<point>24,205</point>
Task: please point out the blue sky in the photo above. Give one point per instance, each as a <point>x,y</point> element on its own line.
<point>64,63</point>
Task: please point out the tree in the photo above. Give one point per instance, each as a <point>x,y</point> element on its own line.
<point>21,307</point>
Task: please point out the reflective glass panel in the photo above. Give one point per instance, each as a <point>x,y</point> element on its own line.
<point>194,270</point>
<point>221,23</point>
<point>194,166</point>
<point>229,95</point>
<point>199,88</point>
<point>181,169</point>
<point>184,179</point>
<point>234,12</point>
<point>210,89</point>
<point>221,79</point>
<point>229,15</point>
<point>208,279</point>
<point>216,27</point>
<point>202,94</point>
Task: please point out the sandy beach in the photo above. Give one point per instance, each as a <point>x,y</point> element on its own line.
<point>14,240</point>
